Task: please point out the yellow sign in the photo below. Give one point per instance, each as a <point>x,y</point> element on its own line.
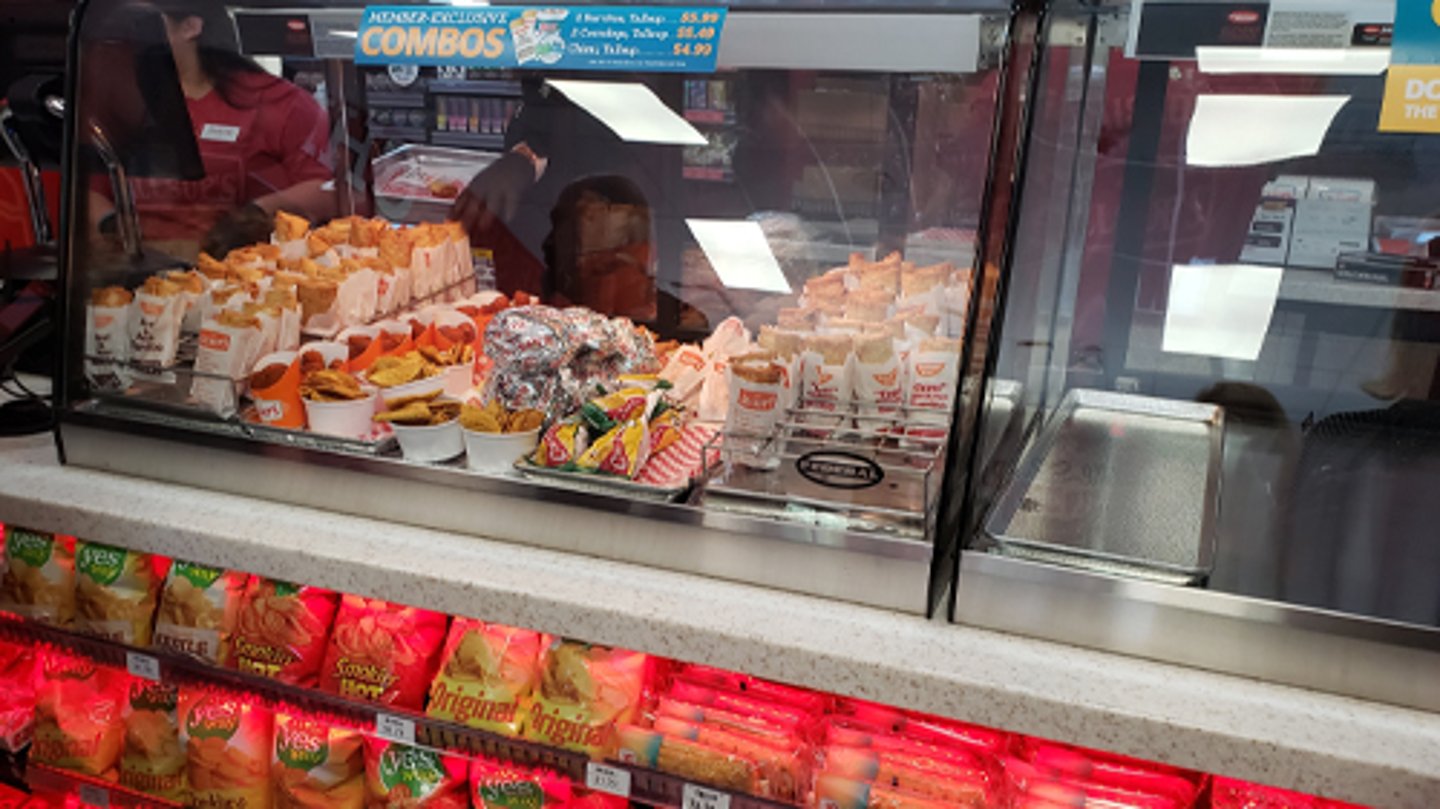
<point>1412,99</point>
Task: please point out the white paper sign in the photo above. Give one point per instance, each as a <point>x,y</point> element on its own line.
<point>605,778</point>
<point>91,795</point>
<point>143,666</point>
<point>704,798</point>
<point>395,728</point>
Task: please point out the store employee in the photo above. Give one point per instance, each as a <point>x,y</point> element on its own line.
<point>264,143</point>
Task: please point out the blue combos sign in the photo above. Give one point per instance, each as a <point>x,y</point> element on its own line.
<point>642,38</point>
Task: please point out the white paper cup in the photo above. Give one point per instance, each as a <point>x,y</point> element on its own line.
<point>350,419</point>
<point>497,452</point>
<point>431,443</point>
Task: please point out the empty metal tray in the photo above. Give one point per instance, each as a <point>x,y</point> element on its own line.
<point>1121,484</point>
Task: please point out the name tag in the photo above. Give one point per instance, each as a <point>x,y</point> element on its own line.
<point>220,132</point>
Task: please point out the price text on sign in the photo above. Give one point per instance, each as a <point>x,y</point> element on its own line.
<point>702,798</point>
<point>142,666</point>
<point>91,795</point>
<point>395,728</point>
<point>604,778</point>
<point>649,38</point>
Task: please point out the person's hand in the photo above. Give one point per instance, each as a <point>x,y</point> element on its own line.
<point>494,193</point>
<point>239,228</point>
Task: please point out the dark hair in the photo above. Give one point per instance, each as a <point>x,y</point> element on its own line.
<point>219,48</point>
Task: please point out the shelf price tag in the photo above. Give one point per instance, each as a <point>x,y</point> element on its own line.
<point>143,666</point>
<point>704,798</point>
<point>91,795</point>
<point>605,778</point>
<point>394,728</point>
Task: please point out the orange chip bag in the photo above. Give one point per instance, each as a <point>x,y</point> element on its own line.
<point>281,630</point>
<point>116,591</point>
<point>227,740</point>
<point>584,692</point>
<point>38,579</point>
<point>19,680</point>
<point>78,716</point>
<point>153,760</point>
<point>382,652</point>
<point>398,775</point>
<point>198,609</point>
<point>485,674</point>
<point>316,764</point>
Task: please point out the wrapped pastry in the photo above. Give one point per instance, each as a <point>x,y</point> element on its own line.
<point>868,305</point>
<point>561,445</point>
<point>878,378</point>
<point>107,338</point>
<point>825,376</point>
<point>757,385</point>
<point>688,759</point>
<point>931,377</point>
<point>621,451</point>
<point>229,345</point>
<point>155,322</point>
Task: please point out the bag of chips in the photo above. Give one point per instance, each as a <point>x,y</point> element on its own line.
<point>78,716</point>
<point>382,652</point>
<point>153,760</point>
<point>116,591</point>
<point>198,610</point>
<point>19,681</point>
<point>281,630</point>
<point>504,785</point>
<point>316,764</point>
<point>227,740</point>
<point>39,577</point>
<point>584,692</point>
<point>486,672</point>
<point>398,775</point>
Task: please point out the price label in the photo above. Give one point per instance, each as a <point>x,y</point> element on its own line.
<point>704,798</point>
<point>604,778</point>
<point>143,666</point>
<point>395,728</point>
<point>91,795</point>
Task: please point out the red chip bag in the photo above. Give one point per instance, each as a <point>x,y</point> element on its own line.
<point>485,674</point>
<point>382,652</point>
<point>78,723</point>
<point>317,764</point>
<point>19,681</point>
<point>281,629</point>
<point>502,785</point>
<point>398,775</point>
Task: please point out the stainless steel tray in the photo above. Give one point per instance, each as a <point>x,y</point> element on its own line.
<point>1118,483</point>
<point>410,165</point>
<point>600,484</point>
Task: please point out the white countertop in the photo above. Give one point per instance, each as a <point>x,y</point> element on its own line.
<point>1336,746</point>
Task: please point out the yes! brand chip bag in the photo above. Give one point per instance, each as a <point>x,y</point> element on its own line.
<point>153,760</point>
<point>281,630</point>
<point>39,576</point>
<point>399,776</point>
<point>78,724</point>
<point>115,592</point>
<point>317,765</point>
<point>485,674</point>
<point>382,652</point>
<point>198,610</point>
<point>227,739</point>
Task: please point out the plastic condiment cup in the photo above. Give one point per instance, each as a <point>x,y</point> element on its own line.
<point>497,452</point>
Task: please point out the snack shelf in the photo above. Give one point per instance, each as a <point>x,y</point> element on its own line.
<point>46,780</point>
<point>645,785</point>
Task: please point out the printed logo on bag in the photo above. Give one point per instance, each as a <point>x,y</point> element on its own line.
<point>302,744</point>
<point>821,377</point>
<point>103,321</point>
<point>929,368</point>
<point>513,795</point>
<point>692,359</point>
<point>419,771</point>
<point>839,470</point>
<point>269,410</point>
<point>29,547</point>
<point>757,399</point>
<point>148,696</point>
<point>152,309</point>
<point>214,717</point>
<point>101,563</point>
<point>214,340</point>
<point>199,575</point>
<point>887,379</point>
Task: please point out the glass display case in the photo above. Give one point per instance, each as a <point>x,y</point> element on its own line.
<point>691,286</point>
<point>1220,321</point>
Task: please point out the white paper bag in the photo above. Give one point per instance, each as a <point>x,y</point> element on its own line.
<point>107,346</point>
<point>155,328</point>
<point>225,355</point>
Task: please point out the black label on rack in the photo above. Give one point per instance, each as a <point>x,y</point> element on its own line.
<point>839,470</point>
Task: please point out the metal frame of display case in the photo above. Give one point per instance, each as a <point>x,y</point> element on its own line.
<point>817,558</point>
<point>1327,650</point>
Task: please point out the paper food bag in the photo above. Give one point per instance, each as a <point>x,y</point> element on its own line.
<point>878,379</point>
<point>757,393</point>
<point>155,327</point>
<point>107,339</point>
<point>227,348</point>
<point>932,375</point>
